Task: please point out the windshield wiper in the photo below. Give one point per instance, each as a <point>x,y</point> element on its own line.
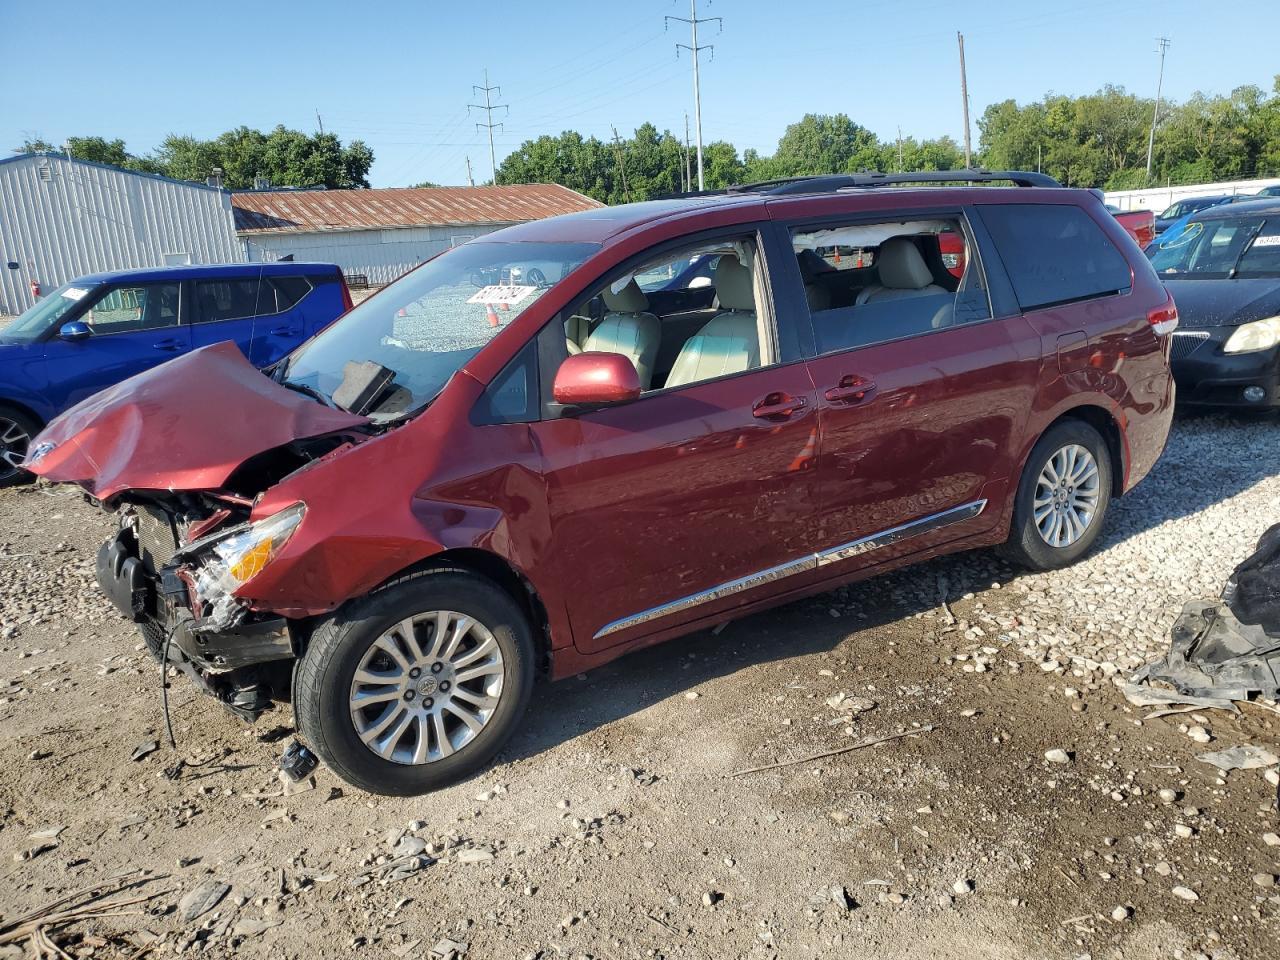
<point>311,392</point>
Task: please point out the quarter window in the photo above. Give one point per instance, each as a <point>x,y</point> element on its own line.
<point>1055,253</point>
<point>141,307</point>
<point>869,283</point>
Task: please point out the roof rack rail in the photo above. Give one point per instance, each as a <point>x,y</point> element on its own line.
<point>840,181</point>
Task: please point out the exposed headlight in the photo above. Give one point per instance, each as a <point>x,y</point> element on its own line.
<point>1255,336</point>
<point>239,558</point>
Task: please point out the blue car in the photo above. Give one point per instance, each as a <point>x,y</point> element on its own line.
<point>98,330</point>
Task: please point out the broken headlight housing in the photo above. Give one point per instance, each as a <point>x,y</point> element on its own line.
<point>1252,337</point>
<point>235,560</point>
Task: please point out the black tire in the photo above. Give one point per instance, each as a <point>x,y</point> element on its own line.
<point>323,679</point>
<point>11,418</point>
<point>1026,545</point>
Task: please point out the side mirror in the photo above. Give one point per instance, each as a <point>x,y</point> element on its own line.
<point>595,379</point>
<point>75,331</point>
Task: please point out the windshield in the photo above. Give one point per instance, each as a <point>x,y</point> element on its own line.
<point>47,312</point>
<point>397,350</point>
<point>1221,249</point>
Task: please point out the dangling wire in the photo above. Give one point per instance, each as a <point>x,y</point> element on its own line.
<point>164,685</point>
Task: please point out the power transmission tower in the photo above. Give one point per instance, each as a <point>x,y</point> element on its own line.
<point>622,164</point>
<point>694,49</point>
<point>488,107</point>
<point>319,122</point>
<point>964,95</point>
<point>1162,44</point>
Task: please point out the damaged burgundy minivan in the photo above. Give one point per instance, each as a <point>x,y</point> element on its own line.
<point>576,437</point>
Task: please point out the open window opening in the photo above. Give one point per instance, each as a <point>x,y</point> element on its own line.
<point>687,315</point>
<point>869,283</point>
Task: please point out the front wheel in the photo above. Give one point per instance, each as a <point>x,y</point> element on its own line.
<point>1062,497</point>
<point>417,685</point>
<point>16,431</point>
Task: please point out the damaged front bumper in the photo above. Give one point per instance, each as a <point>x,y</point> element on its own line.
<point>244,664</point>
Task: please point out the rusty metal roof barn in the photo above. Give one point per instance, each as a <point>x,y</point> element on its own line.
<point>308,210</point>
<point>377,235</point>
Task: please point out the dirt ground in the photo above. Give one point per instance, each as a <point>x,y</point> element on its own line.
<point>615,826</point>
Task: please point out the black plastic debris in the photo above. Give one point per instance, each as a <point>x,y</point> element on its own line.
<point>1230,648</point>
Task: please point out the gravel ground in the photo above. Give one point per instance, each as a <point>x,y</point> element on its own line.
<point>1030,812</point>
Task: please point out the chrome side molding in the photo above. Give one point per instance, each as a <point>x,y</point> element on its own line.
<point>846,551</point>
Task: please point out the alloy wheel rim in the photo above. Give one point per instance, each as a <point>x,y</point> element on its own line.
<point>427,687</point>
<point>14,441</point>
<point>1066,497</point>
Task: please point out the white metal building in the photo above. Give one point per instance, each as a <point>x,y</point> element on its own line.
<point>62,218</point>
<point>382,233</point>
<point>1158,198</point>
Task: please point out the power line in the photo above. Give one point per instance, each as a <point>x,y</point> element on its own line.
<point>694,50</point>
<point>488,108</point>
<point>1162,44</point>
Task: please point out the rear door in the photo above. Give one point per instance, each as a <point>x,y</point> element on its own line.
<point>924,383</point>
<point>135,326</point>
<point>290,309</point>
<point>224,308</point>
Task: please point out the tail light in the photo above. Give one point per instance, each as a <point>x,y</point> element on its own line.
<point>1164,319</point>
<point>347,302</point>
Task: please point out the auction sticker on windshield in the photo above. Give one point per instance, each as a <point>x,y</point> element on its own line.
<point>1269,241</point>
<point>501,293</point>
<point>74,293</point>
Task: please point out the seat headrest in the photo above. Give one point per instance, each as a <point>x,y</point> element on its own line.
<point>733,285</point>
<point>630,299</point>
<point>900,265</point>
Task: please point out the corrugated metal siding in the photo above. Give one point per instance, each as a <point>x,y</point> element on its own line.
<point>87,218</point>
<point>381,255</point>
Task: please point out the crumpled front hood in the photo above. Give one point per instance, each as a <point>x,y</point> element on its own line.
<point>184,425</point>
<point>1224,303</point>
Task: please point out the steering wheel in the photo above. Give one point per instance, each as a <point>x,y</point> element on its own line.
<point>536,277</point>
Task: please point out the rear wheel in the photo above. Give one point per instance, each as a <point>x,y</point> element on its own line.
<point>16,431</point>
<point>417,685</point>
<point>1062,497</point>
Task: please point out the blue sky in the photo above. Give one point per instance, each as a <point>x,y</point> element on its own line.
<point>398,74</point>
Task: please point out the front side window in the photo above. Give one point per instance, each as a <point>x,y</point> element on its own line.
<point>673,343</point>
<point>232,299</point>
<point>414,334</point>
<point>1055,253</point>
<point>140,307</point>
<point>1217,249</point>
<point>869,283</point>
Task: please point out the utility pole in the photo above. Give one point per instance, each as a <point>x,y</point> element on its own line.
<point>688,171</point>
<point>488,107</point>
<point>964,95</point>
<point>622,164</point>
<point>319,122</point>
<point>1162,44</point>
<point>694,49</point>
<point>899,149</point>
<point>470,180</point>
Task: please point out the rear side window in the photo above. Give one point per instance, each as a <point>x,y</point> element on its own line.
<point>1055,253</point>
<point>278,294</point>
<point>225,299</point>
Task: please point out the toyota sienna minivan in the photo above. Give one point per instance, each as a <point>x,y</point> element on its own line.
<point>546,447</point>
